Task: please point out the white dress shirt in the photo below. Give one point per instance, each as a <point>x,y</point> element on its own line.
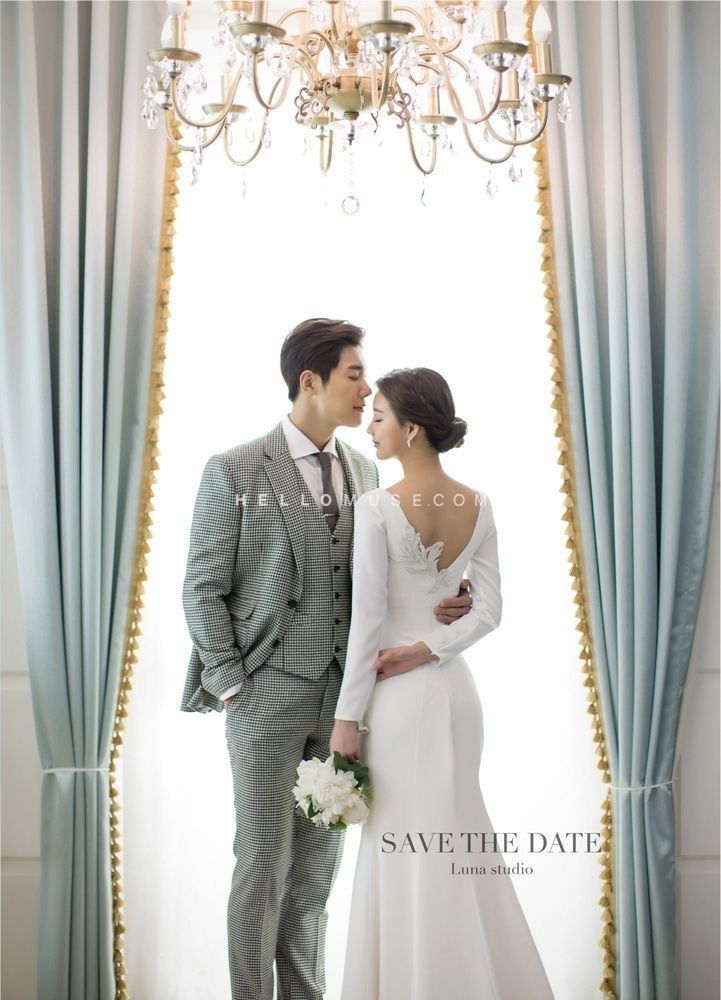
<point>302,451</point>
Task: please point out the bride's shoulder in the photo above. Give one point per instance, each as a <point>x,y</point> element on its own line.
<point>374,503</point>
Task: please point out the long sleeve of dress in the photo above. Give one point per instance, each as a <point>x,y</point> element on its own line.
<point>447,641</point>
<point>369,608</point>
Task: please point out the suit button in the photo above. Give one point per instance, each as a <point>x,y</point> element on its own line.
<point>337,649</point>
<point>336,595</point>
<point>337,621</point>
<point>334,541</point>
<point>292,603</point>
<point>336,568</point>
<point>276,642</point>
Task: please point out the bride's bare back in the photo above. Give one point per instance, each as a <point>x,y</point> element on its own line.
<point>441,510</point>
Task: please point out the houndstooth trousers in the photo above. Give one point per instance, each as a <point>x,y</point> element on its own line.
<point>284,866</point>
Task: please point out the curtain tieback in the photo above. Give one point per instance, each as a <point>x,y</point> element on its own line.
<point>71,770</point>
<point>639,788</point>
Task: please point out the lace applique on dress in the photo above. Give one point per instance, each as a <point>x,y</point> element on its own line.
<point>418,557</point>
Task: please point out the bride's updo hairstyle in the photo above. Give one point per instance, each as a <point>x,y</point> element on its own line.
<point>422,396</point>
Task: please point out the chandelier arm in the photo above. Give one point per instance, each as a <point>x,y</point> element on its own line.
<point>306,63</point>
<point>297,50</point>
<point>289,13</point>
<point>479,154</point>
<point>425,67</point>
<point>182,146</point>
<point>315,34</point>
<point>452,48</point>
<point>455,100</point>
<point>212,122</point>
<point>425,27</point>
<point>378,101</point>
<point>531,138</point>
<point>426,171</point>
<point>477,91</point>
<point>419,17</point>
<point>268,105</point>
<point>258,146</point>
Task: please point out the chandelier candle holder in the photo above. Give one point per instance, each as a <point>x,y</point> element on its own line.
<point>428,68</point>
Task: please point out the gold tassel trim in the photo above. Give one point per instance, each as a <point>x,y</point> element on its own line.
<point>559,403</point>
<point>142,547</point>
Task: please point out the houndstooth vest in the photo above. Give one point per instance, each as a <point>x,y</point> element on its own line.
<point>317,634</point>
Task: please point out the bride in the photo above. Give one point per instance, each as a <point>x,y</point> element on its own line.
<point>419,929</point>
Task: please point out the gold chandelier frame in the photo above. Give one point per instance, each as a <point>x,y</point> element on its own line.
<point>340,83</point>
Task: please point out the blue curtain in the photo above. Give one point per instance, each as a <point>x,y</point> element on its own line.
<point>81,201</point>
<point>635,191</point>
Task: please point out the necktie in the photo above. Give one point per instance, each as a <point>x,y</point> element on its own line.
<point>329,499</point>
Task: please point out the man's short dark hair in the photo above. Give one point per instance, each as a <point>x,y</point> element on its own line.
<point>316,345</point>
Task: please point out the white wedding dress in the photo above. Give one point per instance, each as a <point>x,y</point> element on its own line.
<point>417,931</point>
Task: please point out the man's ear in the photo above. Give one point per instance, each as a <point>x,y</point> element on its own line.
<point>308,381</point>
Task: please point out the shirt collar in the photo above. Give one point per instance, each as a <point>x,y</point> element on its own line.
<point>301,446</point>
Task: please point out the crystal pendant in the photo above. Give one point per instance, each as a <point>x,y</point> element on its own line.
<point>350,204</point>
<point>277,59</point>
<point>563,109</point>
<point>198,147</point>
<point>405,59</point>
<point>514,171</point>
<point>267,138</point>
<point>164,67</point>
<point>472,75</point>
<point>351,12</point>
<point>491,185</point>
<point>316,15</point>
<point>528,108</point>
<point>200,84</point>
<point>526,75</point>
<point>149,114</point>
<point>424,192</point>
<point>194,176</point>
<point>150,86</point>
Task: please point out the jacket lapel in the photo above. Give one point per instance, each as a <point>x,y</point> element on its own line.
<point>355,486</point>
<point>283,476</point>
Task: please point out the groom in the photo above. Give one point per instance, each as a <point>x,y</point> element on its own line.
<point>267,598</point>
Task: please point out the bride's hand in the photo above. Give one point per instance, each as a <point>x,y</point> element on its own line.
<point>401,659</point>
<point>345,739</point>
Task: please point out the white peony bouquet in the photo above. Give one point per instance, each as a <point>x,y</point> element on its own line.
<point>332,793</point>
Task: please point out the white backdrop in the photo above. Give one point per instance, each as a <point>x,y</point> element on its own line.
<point>455,286</point>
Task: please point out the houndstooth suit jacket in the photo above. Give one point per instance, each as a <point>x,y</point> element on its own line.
<point>244,574</point>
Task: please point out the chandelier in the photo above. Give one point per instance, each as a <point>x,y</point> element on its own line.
<point>437,70</point>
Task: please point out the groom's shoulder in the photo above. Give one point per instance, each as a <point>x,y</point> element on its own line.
<point>249,454</point>
<point>361,461</point>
